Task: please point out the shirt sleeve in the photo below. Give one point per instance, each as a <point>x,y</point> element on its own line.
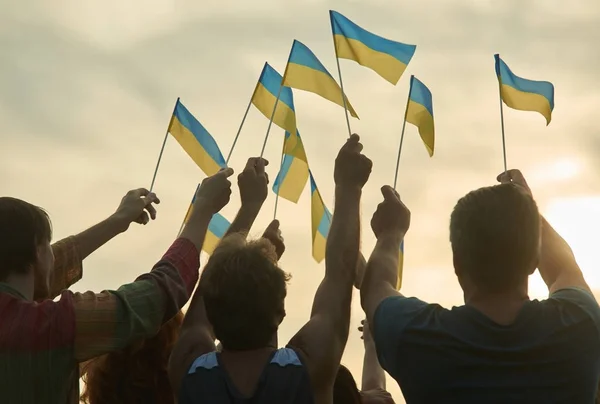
<point>68,267</point>
<point>580,298</point>
<point>392,316</point>
<point>111,320</point>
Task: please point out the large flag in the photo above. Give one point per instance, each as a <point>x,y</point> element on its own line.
<point>265,95</point>
<point>523,94</point>
<point>419,112</point>
<point>387,58</point>
<point>400,265</point>
<point>305,72</point>
<point>217,227</point>
<point>321,221</point>
<point>196,140</point>
<point>293,174</point>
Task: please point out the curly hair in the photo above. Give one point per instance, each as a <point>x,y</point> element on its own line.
<point>135,374</point>
<point>244,292</point>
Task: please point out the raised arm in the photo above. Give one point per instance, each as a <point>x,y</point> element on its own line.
<point>557,265</point>
<point>70,252</point>
<point>197,335</point>
<point>373,375</point>
<point>322,340</point>
<point>390,223</point>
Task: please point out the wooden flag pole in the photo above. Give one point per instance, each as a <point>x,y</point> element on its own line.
<point>502,121</point>
<point>162,149</point>
<point>337,60</point>
<point>402,134</point>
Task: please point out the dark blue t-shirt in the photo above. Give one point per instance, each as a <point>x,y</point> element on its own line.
<point>550,354</point>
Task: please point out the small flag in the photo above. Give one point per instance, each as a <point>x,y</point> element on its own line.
<point>265,95</point>
<point>387,58</point>
<point>419,112</point>
<point>196,140</point>
<point>217,227</point>
<point>321,221</point>
<point>523,94</point>
<point>400,265</point>
<point>305,72</point>
<point>293,175</point>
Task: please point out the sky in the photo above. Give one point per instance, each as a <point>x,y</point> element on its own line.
<point>87,90</point>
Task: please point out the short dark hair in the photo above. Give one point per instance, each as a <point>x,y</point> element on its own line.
<point>495,236</point>
<point>23,228</point>
<point>345,390</point>
<point>244,292</point>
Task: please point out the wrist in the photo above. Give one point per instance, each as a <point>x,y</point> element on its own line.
<point>391,236</point>
<point>347,190</point>
<point>117,223</point>
<point>252,206</point>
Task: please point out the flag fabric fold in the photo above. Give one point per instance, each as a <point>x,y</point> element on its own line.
<point>305,72</point>
<point>293,174</point>
<point>523,94</point>
<point>321,221</point>
<point>386,57</point>
<point>419,112</point>
<point>196,141</point>
<point>265,95</point>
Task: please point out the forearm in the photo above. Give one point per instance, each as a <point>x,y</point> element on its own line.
<point>361,266</point>
<point>343,240</point>
<point>196,227</point>
<point>373,375</point>
<point>96,236</point>
<point>556,259</point>
<point>244,219</point>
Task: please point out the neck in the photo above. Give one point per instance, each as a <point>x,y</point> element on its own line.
<point>501,307</point>
<point>269,347</point>
<point>24,284</point>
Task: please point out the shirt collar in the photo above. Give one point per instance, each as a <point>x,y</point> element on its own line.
<point>6,288</point>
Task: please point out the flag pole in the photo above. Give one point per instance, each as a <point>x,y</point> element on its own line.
<point>162,149</point>
<point>402,134</point>
<point>262,152</point>
<point>237,135</point>
<point>188,211</point>
<point>337,61</point>
<point>280,166</point>
<point>502,121</point>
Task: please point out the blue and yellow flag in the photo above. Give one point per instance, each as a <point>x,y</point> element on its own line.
<point>387,58</point>
<point>419,112</point>
<point>400,265</point>
<point>293,174</point>
<point>321,221</point>
<point>523,94</point>
<point>217,227</point>
<point>305,72</point>
<point>265,95</point>
<point>196,140</point>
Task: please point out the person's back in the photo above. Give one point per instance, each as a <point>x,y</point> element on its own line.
<point>283,379</point>
<point>499,347</point>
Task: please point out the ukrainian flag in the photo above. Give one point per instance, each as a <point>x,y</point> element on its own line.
<point>196,140</point>
<point>265,96</point>
<point>217,227</point>
<point>293,174</point>
<point>523,94</point>
<point>321,221</point>
<point>400,265</point>
<point>419,112</point>
<point>387,58</point>
<point>305,72</point>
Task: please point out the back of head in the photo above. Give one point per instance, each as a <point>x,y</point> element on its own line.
<point>138,373</point>
<point>345,390</point>
<point>244,292</point>
<point>495,237</point>
<point>23,228</point>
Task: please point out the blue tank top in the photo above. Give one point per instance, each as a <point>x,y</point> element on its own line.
<point>283,381</point>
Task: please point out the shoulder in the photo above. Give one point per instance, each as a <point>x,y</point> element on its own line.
<point>207,361</point>
<point>32,326</point>
<point>395,313</point>
<point>575,304</point>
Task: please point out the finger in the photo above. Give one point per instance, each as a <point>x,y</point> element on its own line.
<point>152,211</point>
<point>362,322</point>
<point>273,227</point>
<point>267,177</point>
<point>139,192</point>
<point>389,194</point>
<point>250,163</point>
<point>149,199</point>
<point>259,165</point>
<point>225,172</point>
<point>142,218</point>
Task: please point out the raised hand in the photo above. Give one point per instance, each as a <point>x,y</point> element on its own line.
<point>253,182</point>
<point>352,168</point>
<point>273,234</point>
<point>215,191</point>
<point>392,216</point>
<point>514,177</point>
<point>136,206</point>
<point>365,332</point>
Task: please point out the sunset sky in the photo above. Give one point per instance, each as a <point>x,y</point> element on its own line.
<point>87,89</point>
